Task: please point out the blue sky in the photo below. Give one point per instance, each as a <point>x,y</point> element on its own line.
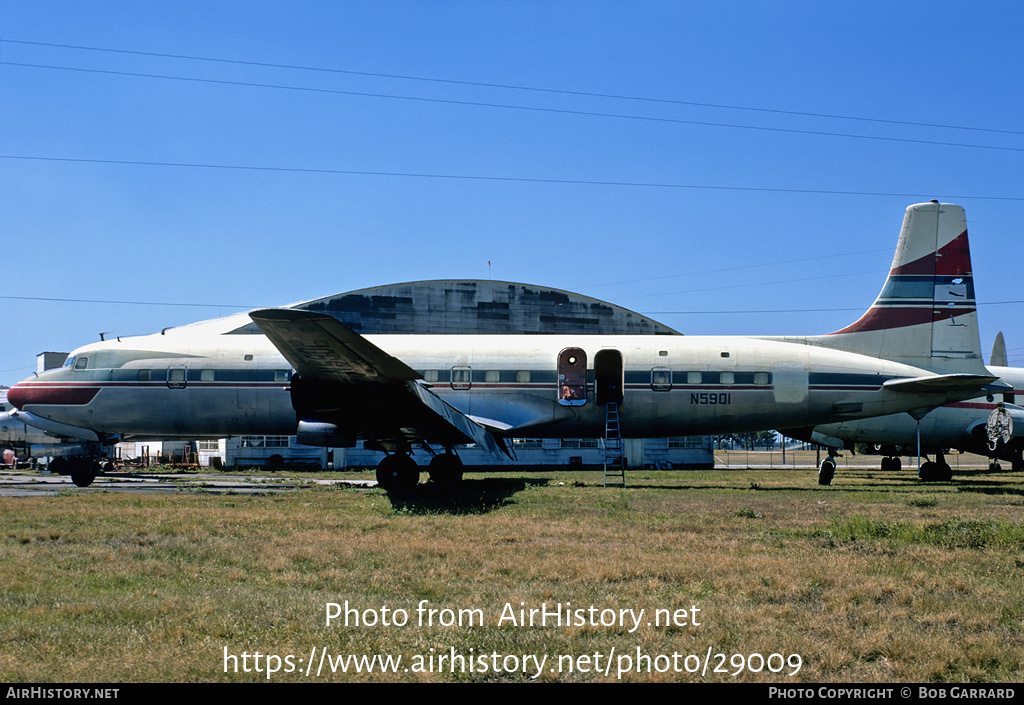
<point>753,217</point>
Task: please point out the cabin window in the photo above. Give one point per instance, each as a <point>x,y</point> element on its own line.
<point>761,378</point>
<point>462,378</point>
<point>145,375</point>
<point>492,376</point>
<point>694,378</point>
<point>282,375</point>
<point>523,376</point>
<point>206,375</point>
<point>727,378</point>
<point>661,379</point>
<point>81,363</point>
<point>430,375</point>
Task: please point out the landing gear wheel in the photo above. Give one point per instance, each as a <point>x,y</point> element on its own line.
<point>827,471</point>
<point>891,464</point>
<point>945,473</point>
<point>83,471</point>
<point>928,472</point>
<point>994,466</point>
<point>445,469</point>
<point>398,472</point>
<point>59,466</point>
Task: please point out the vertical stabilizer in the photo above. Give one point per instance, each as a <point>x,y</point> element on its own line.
<point>998,358</point>
<point>925,314</point>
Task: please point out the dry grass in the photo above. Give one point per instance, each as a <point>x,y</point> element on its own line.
<point>876,578</point>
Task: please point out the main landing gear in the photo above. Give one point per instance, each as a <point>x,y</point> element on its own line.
<point>399,471</point>
<point>937,470</point>
<point>828,468</point>
<point>445,469</point>
<point>891,464</point>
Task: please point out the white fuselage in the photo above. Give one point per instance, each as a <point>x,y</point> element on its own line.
<point>194,384</point>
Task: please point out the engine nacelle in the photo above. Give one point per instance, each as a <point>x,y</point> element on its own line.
<point>324,434</point>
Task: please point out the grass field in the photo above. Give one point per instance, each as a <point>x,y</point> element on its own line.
<point>760,574</point>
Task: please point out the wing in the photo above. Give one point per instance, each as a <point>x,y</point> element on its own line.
<point>345,379</point>
<point>323,348</point>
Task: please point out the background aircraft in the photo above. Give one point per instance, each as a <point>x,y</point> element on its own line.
<point>991,425</point>
<point>19,440</point>
<point>309,375</point>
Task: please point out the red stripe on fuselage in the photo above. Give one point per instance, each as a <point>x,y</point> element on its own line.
<point>22,394</point>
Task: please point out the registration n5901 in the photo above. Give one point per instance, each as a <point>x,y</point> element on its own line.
<point>711,398</point>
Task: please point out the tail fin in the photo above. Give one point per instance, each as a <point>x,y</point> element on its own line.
<point>998,358</point>
<point>925,314</point>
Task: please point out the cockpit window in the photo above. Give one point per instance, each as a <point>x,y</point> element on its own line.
<point>70,361</point>
<point>81,363</point>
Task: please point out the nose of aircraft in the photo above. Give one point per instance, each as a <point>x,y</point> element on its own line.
<point>32,391</point>
<point>16,395</point>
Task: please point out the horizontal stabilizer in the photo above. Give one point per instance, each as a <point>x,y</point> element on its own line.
<point>956,382</point>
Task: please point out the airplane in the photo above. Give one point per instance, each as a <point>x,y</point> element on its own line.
<point>306,374</point>
<point>991,425</point>
<point>19,440</point>
<point>26,441</point>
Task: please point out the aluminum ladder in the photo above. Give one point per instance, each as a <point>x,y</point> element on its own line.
<point>614,459</point>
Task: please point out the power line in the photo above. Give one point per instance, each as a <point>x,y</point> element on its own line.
<point>506,106</point>
<point>477,177</point>
<point>124,303</point>
<point>241,307</point>
<point>734,269</point>
<point>792,310</point>
<point>536,89</point>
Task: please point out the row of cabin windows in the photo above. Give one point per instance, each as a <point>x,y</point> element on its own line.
<point>662,379</point>
<point>177,374</point>
<point>464,375</point>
